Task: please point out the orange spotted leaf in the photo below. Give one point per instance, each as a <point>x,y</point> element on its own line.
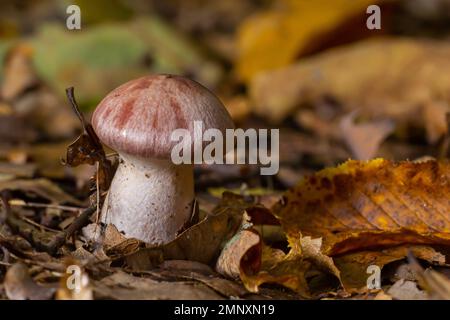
<point>360,205</point>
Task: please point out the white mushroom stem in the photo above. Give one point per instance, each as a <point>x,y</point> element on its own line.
<point>150,199</point>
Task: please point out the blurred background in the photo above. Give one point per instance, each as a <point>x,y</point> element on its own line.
<point>336,89</point>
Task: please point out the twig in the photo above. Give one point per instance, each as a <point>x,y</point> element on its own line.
<point>37,225</point>
<point>87,128</point>
<point>43,264</point>
<point>81,221</point>
<point>98,194</point>
<point>71,96</point>
<point>15,203</point>
<point>112,154</point>
<point>90,143</point>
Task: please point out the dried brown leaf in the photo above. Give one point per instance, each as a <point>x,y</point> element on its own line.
<point>277,267</point>
<point>391,78</point>
<point>87,149</point>
<point>246,257</point>
<point>201,242</point>
<point>123,286</point>
<point>406,290</point>
<point>192,270</point>
<point>353,266</point>
<point>364,139</point>
<point>436,284</point>
<point>20,286</point>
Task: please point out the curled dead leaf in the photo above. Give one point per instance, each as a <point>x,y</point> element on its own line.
<point>87,148</point>
<point>201,242</point>
<point>246,257</point>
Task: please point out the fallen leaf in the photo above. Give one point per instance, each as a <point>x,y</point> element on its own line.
<point>353,266</point>
<point>9,171</point>
<point>382,296</point>
<point>87,149</point>
<point>245,247</point>
<point>112,236</point>
<point>406,290</point>
<point>18,72</point>
<point>277,267</point>
<point>292,27</point>
<point>403,271</point>
<point>436,284</point>
<point>123,286</point>
<point>14,129</point>
<point>359,205</point>
<point>62,58</point>
<point>246,257</point>
<point>186,265</point>
<point>20,286</point>
<point>238,108</point>
<point>394,78</point>
<point>46,157</point>
<point>38,237</point>
<point>364,139</point>
<point>41,187</point>
<point>311,250</point>
<point>192,270</point>
<point>434,113</point>
<point>201,242</point>
<point>31,99</point>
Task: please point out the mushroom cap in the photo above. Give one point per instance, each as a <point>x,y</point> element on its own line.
<point>139,117</point>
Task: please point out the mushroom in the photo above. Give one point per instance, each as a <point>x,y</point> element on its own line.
<point>150,197</point>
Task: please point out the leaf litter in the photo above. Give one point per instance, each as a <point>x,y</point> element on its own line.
<point>306,233</point>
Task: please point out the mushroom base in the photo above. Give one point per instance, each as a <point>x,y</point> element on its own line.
<point>150,200</point>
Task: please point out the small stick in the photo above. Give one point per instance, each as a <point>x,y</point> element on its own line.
<point>112,154</point>
<point>81,221</point>
<point>87,128</point>
<point>20,203</point>
<point>45,265</point>
<point>37,225</point>
<point>71,96</point>
<point>97,214</point>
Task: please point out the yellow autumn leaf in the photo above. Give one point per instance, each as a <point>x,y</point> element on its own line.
<point>274,38</point>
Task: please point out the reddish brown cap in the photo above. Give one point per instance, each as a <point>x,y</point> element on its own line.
<point>139,117</point>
